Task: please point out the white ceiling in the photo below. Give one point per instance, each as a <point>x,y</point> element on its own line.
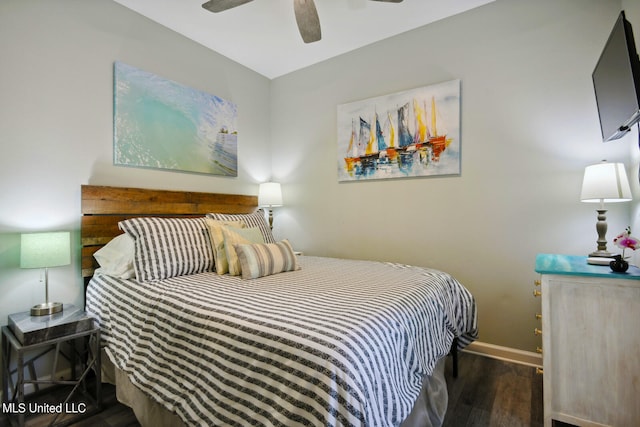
<point>263,36</point>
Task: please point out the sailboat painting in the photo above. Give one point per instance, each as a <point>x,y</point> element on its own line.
<point>415,133</point>
<point>162,124</point>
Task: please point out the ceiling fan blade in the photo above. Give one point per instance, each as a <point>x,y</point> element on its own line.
<point>221,5</point>
<point>389,1</point>
<point>308,20</point>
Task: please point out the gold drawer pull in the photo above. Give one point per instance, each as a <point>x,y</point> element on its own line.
<point>539,371</point>
<point>537,331</point>
<point>539,350</point>
<point>538,316</point>
<point>537,293</point>
<point>537,282</point>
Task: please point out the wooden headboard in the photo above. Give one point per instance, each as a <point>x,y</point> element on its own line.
<point>104,207</point>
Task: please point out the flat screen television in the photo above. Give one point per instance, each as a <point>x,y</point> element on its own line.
<point>616,80</point>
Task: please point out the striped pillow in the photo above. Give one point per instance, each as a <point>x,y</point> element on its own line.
<point>260,260</point>
<point>169,247</point>
<point>251,220</point>
<point>236,236</point>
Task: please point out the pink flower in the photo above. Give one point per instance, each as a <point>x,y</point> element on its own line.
<point>626,240</point>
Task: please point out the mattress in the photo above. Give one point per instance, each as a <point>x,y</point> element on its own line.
<point>338,342</point>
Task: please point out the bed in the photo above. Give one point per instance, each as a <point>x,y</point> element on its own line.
<point>278,339</point>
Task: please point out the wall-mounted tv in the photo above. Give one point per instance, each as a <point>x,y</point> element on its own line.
<point>616,80</point>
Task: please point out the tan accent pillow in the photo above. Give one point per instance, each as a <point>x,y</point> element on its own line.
<point>217,242</point>
<point>239,236</point>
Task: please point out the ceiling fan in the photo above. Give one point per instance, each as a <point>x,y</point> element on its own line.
<point>305,10</point>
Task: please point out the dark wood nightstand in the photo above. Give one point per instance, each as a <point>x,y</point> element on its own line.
<point>30,338</point>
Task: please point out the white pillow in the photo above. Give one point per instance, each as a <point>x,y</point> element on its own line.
<point>116,257</point>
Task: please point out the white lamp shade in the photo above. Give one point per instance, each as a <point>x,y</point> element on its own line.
<point>40,250</point>
<point>270,194</point>
<point>605,183</point>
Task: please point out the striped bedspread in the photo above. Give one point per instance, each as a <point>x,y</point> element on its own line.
<point>337,343</point>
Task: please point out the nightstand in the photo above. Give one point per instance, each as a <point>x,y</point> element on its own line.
<point>30,338</point>
<point>590,317</point>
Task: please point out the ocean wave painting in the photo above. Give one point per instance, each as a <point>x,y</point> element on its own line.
<point>161,124</point>
<point>414,133</point>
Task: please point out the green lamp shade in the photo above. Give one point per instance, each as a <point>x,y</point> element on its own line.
<point>41,250</point>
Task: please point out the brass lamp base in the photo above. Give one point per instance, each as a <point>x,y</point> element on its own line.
<point>46,308</point>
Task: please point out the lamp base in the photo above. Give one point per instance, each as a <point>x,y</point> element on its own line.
<point>601,253</point>
<point>46,308</point>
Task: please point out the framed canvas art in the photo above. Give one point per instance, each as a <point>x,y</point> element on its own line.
<point>161,124</point>
<point>414,133</point>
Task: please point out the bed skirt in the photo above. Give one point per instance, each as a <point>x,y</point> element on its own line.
<point>428,411</point>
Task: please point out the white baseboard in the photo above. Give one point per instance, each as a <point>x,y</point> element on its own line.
<point>507,354</point>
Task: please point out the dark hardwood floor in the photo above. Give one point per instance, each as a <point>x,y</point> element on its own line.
<point>490,392</point>
<point>114,414</point>
<point>487,392</point>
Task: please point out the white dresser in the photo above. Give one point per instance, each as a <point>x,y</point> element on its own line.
<point>590,342</point>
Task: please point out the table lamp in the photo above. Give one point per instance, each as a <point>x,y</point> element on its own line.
<point>270,196</point>
<point>604,183</point>
<point>45,250</point>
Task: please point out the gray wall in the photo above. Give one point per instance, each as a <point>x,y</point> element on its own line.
<point>529,127</point>
<point>56,123</point>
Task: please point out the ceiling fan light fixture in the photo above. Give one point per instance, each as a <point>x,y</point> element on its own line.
<point>308,20</point>
<point>305,11</point>
<point>216,6</point>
